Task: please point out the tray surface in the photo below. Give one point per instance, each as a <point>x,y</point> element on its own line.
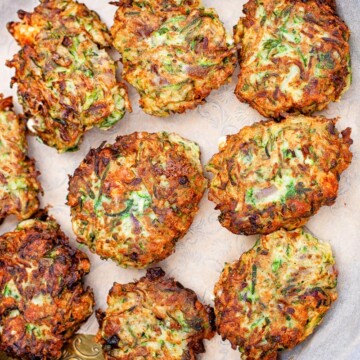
<point>201,254</point>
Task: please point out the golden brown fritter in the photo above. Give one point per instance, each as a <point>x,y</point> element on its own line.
<point>154,318</point>
<point>131,201</point>
<point>42,299</point>
<point>19,187</point>
<point>272,175</point>
<point>276,294</point>
<point>66,80</point>
<point>294,56</point>
<point>174,52</point>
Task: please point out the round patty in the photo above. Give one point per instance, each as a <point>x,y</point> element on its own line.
<point>131,201</point>
<point>276,294</point>
<point>66,80</point>
<point>19,186</point>
<point>294,56</point>
<point>154,318</point>
<point>42,299</point>
<point>174,52</point>
<point>272,175</point>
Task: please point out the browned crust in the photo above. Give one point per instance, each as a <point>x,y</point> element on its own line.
<point>164,292</point>
<point>16,166</point>
<point>39,260</point>
<point>148,159</point>
<point>330,3</point>
<point>321,180</point>
<point>266,96</point>
<point>288,307</point>
<point>186,82</point>
<point>66,81</point>
<point>49,13</point>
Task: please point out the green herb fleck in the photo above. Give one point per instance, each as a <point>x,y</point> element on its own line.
<point>250,197</point>
<point>253,278</point>
<point>163,31</point>
<point>276,265</point>
<point>271,44</point>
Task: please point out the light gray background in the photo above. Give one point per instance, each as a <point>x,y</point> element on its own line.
<point>200,256</point>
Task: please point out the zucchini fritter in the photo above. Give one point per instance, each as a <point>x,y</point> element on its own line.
<point>19,187</point>
<point>294,56</point>
<point>66,80</point>
<point>174,52</point>
<point>276,294</point>
<point>154,318</point>
<point>42,300</point>
<point>131,201</point>
<point>272,175</point>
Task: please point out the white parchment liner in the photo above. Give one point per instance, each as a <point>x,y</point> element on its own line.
<point>200,256</point>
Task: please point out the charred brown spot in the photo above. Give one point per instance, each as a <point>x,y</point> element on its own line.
<point>154,273</point>
<point>155,68</point>
<point>183,180</point>
<point>113,340</point>
<point>197,71</point>
<point>22,14</point>
<point>134,256</point>
<point>136,181</point>
<point>67,41</point>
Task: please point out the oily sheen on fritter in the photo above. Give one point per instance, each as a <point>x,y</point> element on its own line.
<point>42,299</point>
<point>132,200</point>
<point>294,56</point>
<point>276,294</point>
<point>19,186</point>
<point>274,175</point>
<point>173,52</point>
<point>66,79</point>
<point>154,318</point>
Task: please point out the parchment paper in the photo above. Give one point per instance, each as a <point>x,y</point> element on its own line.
<point>200,256</point>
